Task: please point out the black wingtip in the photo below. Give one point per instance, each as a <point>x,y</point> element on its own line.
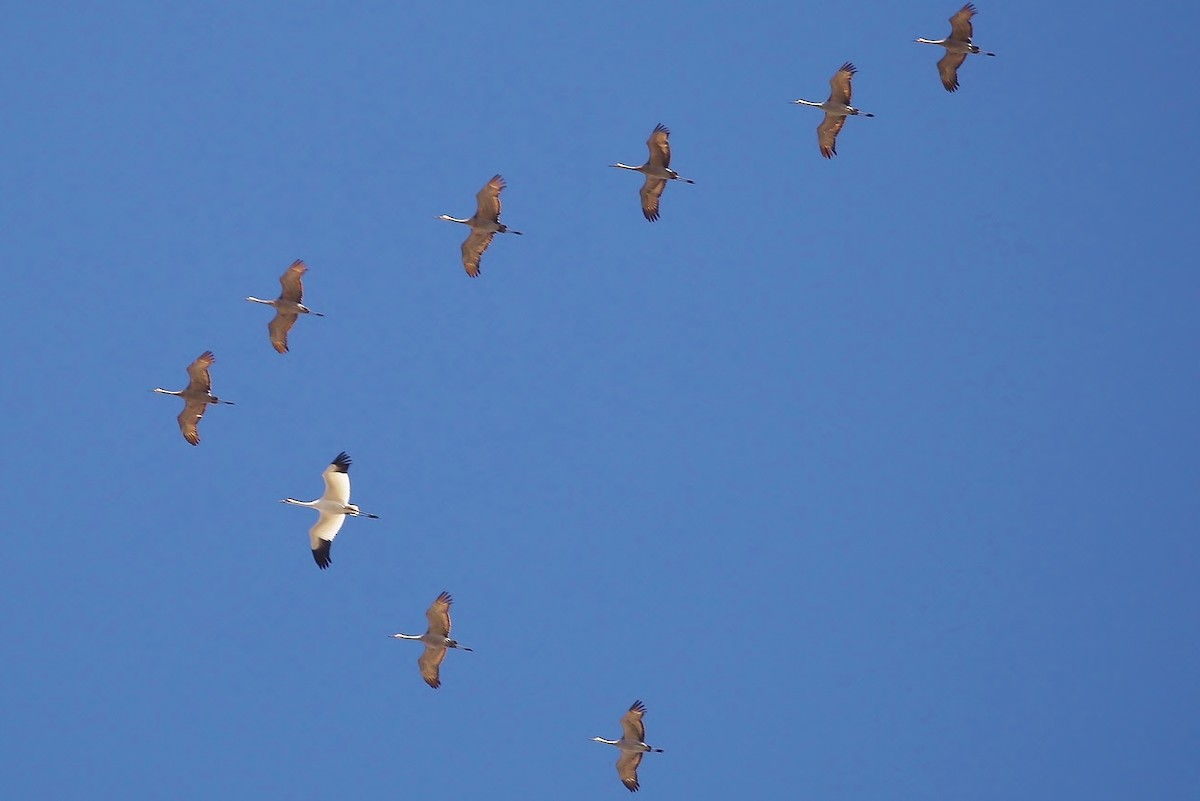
<point>342,462</point>
<point>321,555</point>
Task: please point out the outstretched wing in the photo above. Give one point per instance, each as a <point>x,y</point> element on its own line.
<point>839,84</point>
<point>652,190</point>
<point>438,615</point>
<point>198,378</point>
<point>627,766</point>
<point>292,282</point>
<point>960,23</point>
<point>827,133</point>
<point>948,69</point>
<point>321,536</point>
<point>278,328</point>
<point>660,148</point>
<point>430,662</point>
<point>472,250</point>
<point>189,420</point>
<point>487,202</point>
<point>631,723</point>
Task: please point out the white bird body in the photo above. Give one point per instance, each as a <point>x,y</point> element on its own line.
<point>333,508</point>
<point>436,639</point>
<point>958,46</point>
<point>632,745</point>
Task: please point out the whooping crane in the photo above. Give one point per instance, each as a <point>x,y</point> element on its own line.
<point>632,745</point>
<point>484,225</point>
<point>196,396</point>
<point>436,638</point>
<point>958,45</point>
<point>333,506</point>
<point>287,306</point>
<point>657,170</point>
<point>836,109</point>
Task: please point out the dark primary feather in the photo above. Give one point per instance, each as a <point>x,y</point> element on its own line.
<point>341,462</point>
<point>627,765</point>
<point>487,202</point>
<point>321,553</point>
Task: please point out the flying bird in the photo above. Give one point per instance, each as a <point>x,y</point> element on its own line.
<point>958,45</point>
<point>632,745</point>
<point>287,306</point>
<point>836,109</point>
<point>196,396</point>
<point>484,225</point>
<point>334,506</point>
<point>657,170</point>
<point>436,638</point>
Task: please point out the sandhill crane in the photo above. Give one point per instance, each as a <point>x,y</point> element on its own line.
<point>958,45</point>
<point>287,306</point>
<point>484,225</point>
<point>632,745</point>
<point>334,506</point>
<point>436,638</point>
<point>836,109</point>
<point>196,396</point>
<point>657,170</point>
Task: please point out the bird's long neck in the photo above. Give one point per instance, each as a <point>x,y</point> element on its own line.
<point>931,41</point>
<point>162,391</point>
<point>448,218</point>
<point>295,502</point>
<point>610,742</point>
<point>407,636</point>
<point>626,166</point>
<point>260,300</point>
<point>806,103</point>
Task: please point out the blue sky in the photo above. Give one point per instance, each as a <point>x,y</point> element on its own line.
<point>873,477</point>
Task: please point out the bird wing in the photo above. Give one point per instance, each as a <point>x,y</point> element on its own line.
<point>839,84</point>
<point>660,148</point>
<point>472,250</point>
<point>960,23</point>
<point>278,328</point>
<point>430,661</point>
<point>189,420</point>
<point>652,190</point>
<point>827,133</point>
<point>631,722</point>
<point>321,536</point>
<point>438,615</point>
<point>487,202</point>
<point>199,379</point>
<point>337,483</point>
<point>948,69</point>
<point>292,282</point>
<point>627,765</point>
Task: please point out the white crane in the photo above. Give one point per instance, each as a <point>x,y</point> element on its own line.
<point>196,396</point>
<point>287,306</point>
<point>836,109</point>
<point>334,506</point>
<point>958,46</point>
<point>632,745</point>
<point>437,640</point>
<point>657,170</point>
<point>484,225</point>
